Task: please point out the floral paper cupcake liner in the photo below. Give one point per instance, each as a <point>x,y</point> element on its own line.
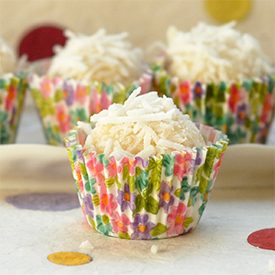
<point>146,199</point>
<point>63,102</point>
<point>12,95</point>
<point>243,110</point>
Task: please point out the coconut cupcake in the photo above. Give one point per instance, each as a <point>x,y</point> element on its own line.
<point>84,77</point>
<point>102,57</point>
<point>143,170</point>
<point>220,77</point>
<point>12,93</point>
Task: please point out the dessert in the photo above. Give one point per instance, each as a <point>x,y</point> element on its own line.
<point>84,77</point>
<point>63,102</point>
<point>149,187</point>
<point>212,54</point>
<point>144,125</point>
<point>221,78</point>
<point>99,57</point>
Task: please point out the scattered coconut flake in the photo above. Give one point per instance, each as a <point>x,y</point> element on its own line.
<point>122,131</point>
<point>154,249</point>
<point>99,57</point>
<point>86,246</point>
<point>215,53</point>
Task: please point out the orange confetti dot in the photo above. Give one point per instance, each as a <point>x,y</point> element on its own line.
<point>69,258</point>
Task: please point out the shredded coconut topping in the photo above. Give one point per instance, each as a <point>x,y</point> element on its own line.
<point>7,58</point>
<point>86,246</point>
<point>145,125</point>
<point>99,57</point>
<point>215,53</point>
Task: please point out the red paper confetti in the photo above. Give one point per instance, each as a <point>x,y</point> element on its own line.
<point>264,238</point>
<point>38,43</point>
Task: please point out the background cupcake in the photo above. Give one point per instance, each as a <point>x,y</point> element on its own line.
<point>12,93</point>
<point>157,189</point>
<point>84,77</point>
<point>221,78</point>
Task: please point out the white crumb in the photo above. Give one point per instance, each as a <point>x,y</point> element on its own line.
<point>86,246</point>
<point>154,249</point>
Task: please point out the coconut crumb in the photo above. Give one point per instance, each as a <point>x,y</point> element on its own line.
<point>86,246</point>
<point>154,249</point>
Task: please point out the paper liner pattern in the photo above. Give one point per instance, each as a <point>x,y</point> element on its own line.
<point>145,199</point>
<point>12,95</point>
<point>63,102</point>
<point>244,111</point>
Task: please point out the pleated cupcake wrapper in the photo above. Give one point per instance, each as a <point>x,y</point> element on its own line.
<point>63,102</point>
<point>145,199</point>
<point>12,95</point>
<point>244,111</point>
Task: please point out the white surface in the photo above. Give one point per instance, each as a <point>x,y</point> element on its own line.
<point>217,246</point>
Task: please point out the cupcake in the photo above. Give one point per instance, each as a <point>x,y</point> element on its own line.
<point>142,169</point>
<point>84,77</point>
<point>12,93</point>
<point>100,57</point>
<point>221,78</point>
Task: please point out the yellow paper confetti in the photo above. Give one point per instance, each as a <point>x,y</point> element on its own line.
<point>69,258</point>
<point>228,10</point>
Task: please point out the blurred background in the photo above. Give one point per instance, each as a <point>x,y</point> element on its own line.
<point>145,21</point>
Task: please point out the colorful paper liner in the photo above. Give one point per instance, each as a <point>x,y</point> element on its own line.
<point>12,95</point>
<point>63,102</point>
<point>145,199</point>
<point>244,110</point>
